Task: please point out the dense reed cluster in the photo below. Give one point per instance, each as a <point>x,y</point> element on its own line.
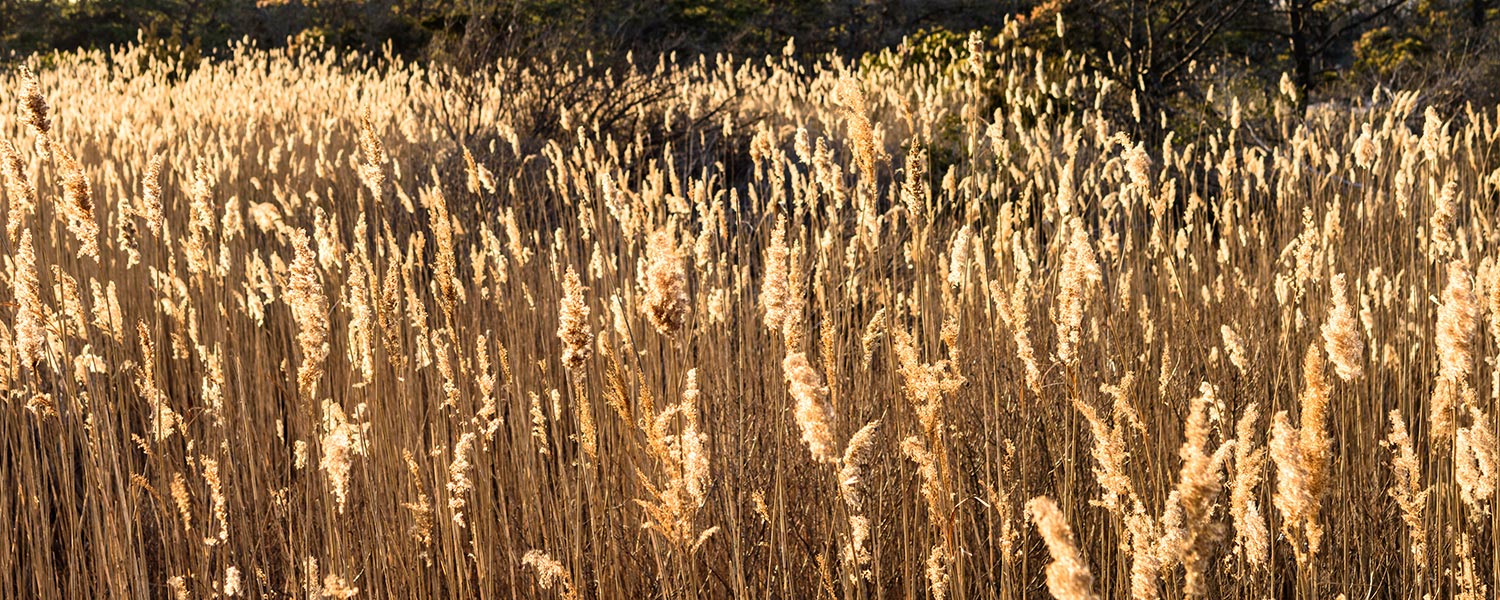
<point>293,324</point>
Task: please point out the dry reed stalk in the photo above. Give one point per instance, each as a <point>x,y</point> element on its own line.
<point>1468,575</point>
<point>231,587</point>
<point>200,223</point>
<point>1444,213</point>
<point>588,434</point>
<point>691,443</point>
<point>1365,151</point>
<point>217,501</point>
<point>874,331</point>
<point>937,572</point>
<point>959,257</point>
<point>930,467</point>
<point>914,186</point>
<point>539,426</point>
<point>388,316</point>
<point>925,385</point>
<point>852,465</point>
<point>337,588</point>
<point>479,178</point>
<point>672,508</point>
<point>1016,313</point>
<point>183,500</point>
<point>163,420</point>
<point>793,329</point>
<point>446,286</point>
<point>179,588</point>
<point>361,338</point>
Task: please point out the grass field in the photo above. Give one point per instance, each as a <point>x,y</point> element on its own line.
<point>297,324</point>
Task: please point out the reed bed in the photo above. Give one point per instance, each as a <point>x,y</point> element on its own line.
<point>301,324</point>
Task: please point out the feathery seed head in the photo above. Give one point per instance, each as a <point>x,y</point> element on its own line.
<point>1341,334</point>
<point>812,411</point>
<point>573,323</point>
<point>666,301</point>
<point>1068,576</point>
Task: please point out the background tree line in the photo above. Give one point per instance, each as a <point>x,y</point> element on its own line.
<point>1171,55</point>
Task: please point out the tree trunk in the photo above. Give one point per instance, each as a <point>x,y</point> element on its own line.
<point>1302,59</point>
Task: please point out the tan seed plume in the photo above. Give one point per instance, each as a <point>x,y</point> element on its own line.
<point>666,303</point>
<point>1068,576</point>
<point>1078,282</point>
<point>812,411</point>
<point>1477,464</point>
<point>1458,321</point>
<point>151,196</point>
<point>573,323</point>
<point>36,113</point>
<point>30,324</point>
<point>459,483</point>
<point>773,291</point>
<point>550,573</point>
<point>1341,334</point>
<point>21,194</point>
<point>1407,490</point>
<point>1251,537</point>
<point>304,294</point>
<point>1301,455</point>
<point>851,468</point>
<point>78,205</point>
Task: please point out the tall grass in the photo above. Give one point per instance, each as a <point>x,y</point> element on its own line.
<point>299,324</point>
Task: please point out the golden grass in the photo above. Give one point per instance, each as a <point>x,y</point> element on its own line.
<point>300,324</point>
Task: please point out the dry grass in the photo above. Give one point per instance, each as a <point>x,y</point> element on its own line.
<point>301,325</point>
